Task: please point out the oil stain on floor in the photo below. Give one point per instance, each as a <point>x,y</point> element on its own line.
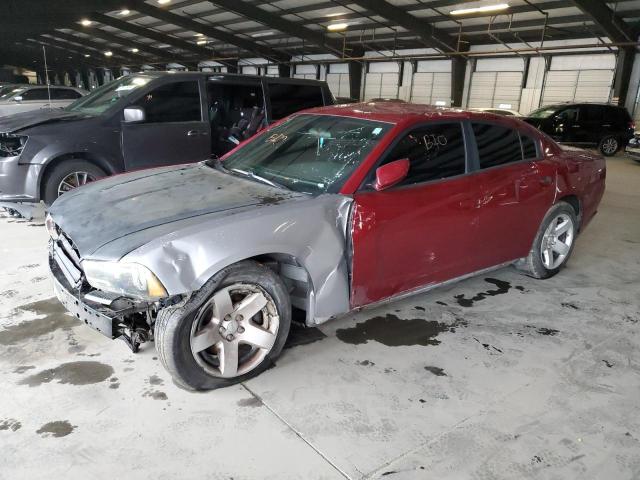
<point>10,424</point>
<point>60,428</point>
<point>502,288</point>
<point>395,332</point>
<point>72,373</point>
<point>54,317</point>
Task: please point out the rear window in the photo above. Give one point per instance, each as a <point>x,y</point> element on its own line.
<point>64,94</point>
<point>497,145</point>
<point>290,98</point>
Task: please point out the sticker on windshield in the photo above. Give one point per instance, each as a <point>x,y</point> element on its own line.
<point>376,131</point>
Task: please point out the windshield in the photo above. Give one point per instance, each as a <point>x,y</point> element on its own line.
<point>308,153</point>
<point>544,112</point>
<point>102,98</point>
<point>9,91</point>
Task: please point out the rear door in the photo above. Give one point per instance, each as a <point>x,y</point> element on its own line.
<point>420,231</point>
<point>593,124</point>
<point>517,188</point>
<point>174,131</point>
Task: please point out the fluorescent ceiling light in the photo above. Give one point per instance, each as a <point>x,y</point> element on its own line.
<point>108,53</point>
<point>199,34</point>
<point>134,50</point>
<point>201,42</point>
<point>164,2</point>
<point>336,14</point>
<point>85,22</point>
<point>261,34</point>
<point>86,55</point>
<point>124,11</point>
<point>483,9</point>
<point>334,27</point>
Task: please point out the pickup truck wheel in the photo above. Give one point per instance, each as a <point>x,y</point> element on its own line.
<point>68,175</point>
<point>232,329</point>
<point>608,146</point>
<point>553,244</point>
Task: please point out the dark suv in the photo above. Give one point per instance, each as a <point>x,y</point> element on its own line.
<point>139,121</point>
<point>607,127</point>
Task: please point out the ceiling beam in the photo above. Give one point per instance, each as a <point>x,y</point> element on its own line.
<point>211,32</point>
<point>143,48</point>
<point>128,56</point>
<point>429,34</point>
<point>276,21</point>
<point>615,28</point>
<point>203,53</point>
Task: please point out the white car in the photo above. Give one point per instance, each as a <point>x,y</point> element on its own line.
<point>23,98</point>
<point>498,111</point>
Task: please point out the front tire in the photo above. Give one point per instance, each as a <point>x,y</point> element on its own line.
<point>553,244</point>
<point>609,146</point>
<point>231,330</point>
<point>68,175</point>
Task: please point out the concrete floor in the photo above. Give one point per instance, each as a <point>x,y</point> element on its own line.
<point>530,379</point>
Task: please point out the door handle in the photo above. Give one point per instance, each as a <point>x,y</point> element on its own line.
<point>193,133</point>
<point>546,181</point>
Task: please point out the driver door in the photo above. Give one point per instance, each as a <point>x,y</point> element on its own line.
<point>173,131</point>
<point>421,231</point>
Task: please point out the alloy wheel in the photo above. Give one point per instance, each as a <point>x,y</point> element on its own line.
<point>556,241</point>
<point>74,180</point>
<point>235,330</point>
<point>610,146</point>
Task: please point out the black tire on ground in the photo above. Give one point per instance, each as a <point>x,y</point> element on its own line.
<point>173,326</point>
<point>609,146</point>
<point>60,171</point>
<point>533,264</point>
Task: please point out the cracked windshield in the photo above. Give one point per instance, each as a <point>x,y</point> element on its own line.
<point>308,153</point>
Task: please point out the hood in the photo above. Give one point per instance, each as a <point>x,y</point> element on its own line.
<point>107,210</point>
<point>20,121</point>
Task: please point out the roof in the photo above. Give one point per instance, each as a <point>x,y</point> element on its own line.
<point>398,112</point>
<point>239,76</point>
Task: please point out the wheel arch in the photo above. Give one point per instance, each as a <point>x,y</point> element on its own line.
<point>575,203</point>
<point>87,156</point>
<point>295,277</point>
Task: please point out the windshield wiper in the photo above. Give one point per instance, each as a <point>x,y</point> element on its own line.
<point>250,174</point>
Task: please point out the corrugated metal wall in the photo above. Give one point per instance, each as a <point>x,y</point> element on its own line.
<point>431,83</point>
<point>496,83</point>
<point>382,80</point>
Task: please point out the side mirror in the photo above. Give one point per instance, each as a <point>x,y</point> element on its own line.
<point>134,115</point>
<point>17,99</point>
<point>391,174</point>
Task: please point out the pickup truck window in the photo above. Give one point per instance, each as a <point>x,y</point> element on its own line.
<point>309,153</point>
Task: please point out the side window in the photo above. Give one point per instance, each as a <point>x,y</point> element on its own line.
<point>64,94</point>
<point>591,113</point>
<point>173,102</point>
<point>529,147</point>
<point>35,94</point>
<point>290,98</point>
<point>568,114</point>
<point>434,152</point>
<point>496,145</point>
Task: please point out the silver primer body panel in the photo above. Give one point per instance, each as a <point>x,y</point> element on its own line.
<point>187,223</point>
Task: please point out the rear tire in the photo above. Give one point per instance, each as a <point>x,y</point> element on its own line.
<point>609,146</point>
<point>65,174</point>
<point>553,243</point>
<point>196,346</point>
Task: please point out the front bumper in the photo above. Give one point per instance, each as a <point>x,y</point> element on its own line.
<point>94,307</point>
<point>633,150</point>
<point>18,181</point>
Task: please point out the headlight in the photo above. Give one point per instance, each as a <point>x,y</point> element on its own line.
<point>130,279</point>
<point>51,227</point>
<point>11,145</point>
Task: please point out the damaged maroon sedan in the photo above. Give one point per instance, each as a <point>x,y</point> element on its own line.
<point>332,210</point>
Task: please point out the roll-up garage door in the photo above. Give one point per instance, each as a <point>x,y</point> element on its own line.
<point>579,78</point>
<point>432,83</point>
<point>338,80</point>
<point>382,80</point>
<point>495,89</point>
<point>305,71</point>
